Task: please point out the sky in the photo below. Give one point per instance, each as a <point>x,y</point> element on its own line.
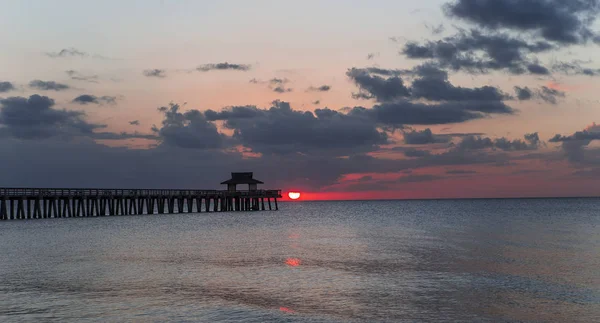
<point>336,99</point>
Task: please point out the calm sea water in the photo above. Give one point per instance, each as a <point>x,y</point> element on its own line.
<point>379,261</point>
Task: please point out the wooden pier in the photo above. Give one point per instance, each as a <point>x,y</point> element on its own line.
<point>46,203</point>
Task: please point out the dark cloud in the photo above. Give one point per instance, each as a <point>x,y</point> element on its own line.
<point>436,30</point>
<point>535,68</point>
<point>559,21</point>
<point>232,113</point>
<point>544,93</point>
<point>48,85</point>
<point>92,99</point>
<point>416,153</point>
<point>282,89</point>
<point>282,130</point>
<point>223,66</point>
<point>155,73</point>
<point>322,88</point>
<point>190,129</point>
<point>134,122</point>
<point>523,93</point>
<point>275,84</point>
<point>434,86</point>
<point>575,68</point>
<point>35,118</point>
<point>574,145</point>
<point>74,75</point>
<point>477,52</point>
<point>409,113</point>
<point>423,137</point>
<point>550,95</point>
<point>377,87</point>
<point>530,142</point>
<point>317,102</point>
<point>6,87</point>
<point>67,52</point>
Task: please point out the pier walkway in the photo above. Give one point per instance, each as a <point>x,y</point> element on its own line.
<point>44,203</point>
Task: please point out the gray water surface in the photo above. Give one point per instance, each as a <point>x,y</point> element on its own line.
<point>377,261</point>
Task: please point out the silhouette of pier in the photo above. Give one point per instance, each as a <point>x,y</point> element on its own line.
<point>44,203</point>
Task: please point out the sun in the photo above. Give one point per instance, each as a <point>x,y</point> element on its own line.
<point>294,195</point>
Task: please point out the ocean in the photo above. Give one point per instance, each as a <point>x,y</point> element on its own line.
<point>530,260</point>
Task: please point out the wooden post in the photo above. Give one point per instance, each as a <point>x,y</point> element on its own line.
<point>12,209</point>
<point>276,207</point>
<point>3,210</point>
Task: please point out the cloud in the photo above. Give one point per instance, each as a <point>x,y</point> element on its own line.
<point>523,93</point>
<point>530,142</point>
<point>35,118</point>
<point>134,122</point>
<point>550,95</point>
<point>6,87</point>
<point>74,75</point>
<point>282,130</point>
<point>410,113</point>
<point>560,21</point>
<point>322,88</point>
<point>477,52</point>
<point>67,52</point>
<point>237,112</point>
<point>275,84</point>
<point>223,66</point>
<point>316,102</point>
<point>190,129</point>
<point>423,137</point>
<point>544,93</point>
<point>575,68</point>
<point>88,98</point>
<point>416,153</point>
<point>574,145</point>
<point>377,87</point>
<point>48,85</point>
<point>434,86</point>
<point>155,73</point>
<point>281,89</point>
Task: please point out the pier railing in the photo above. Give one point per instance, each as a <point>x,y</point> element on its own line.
<point>94,192</point>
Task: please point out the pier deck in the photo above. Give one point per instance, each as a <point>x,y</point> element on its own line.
<point>44,203</point>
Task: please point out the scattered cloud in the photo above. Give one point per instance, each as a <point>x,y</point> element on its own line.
<point>92,99</point>
<point>74,75</point>
<point>134,122</point>
<point>545,93</point>
<point>223,66</point>
<point>6,87</point>
<point>155,73</point>
<point>322,88</point>
<point>530,142</point>
<point>48,85</point>
<point>67,52</point>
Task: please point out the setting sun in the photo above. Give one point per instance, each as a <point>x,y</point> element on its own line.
<point>294,195</point>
